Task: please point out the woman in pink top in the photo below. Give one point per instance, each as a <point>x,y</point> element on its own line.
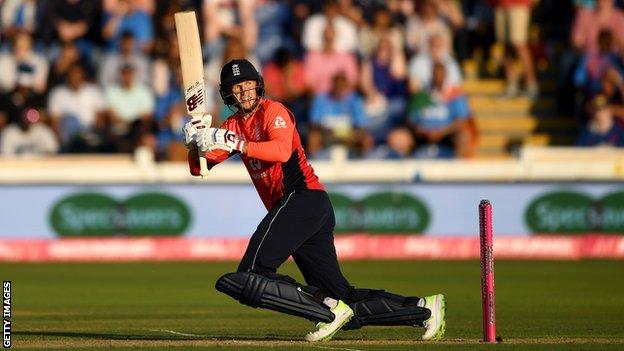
<point>321,66</point>
<point>588,23</point>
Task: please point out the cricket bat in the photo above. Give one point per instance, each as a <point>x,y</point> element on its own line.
<point>192,71</point>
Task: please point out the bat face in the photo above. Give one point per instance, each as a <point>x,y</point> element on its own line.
<point>191,62</point>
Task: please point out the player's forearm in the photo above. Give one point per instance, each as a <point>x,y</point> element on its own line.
<point>272,151</point>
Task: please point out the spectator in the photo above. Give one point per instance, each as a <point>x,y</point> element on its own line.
<point>17,16</point>
<point>424,24</point>
<point>23,96</point>
<point>284,81</point>
<point>130,108</point>
<point>384,87</point>
<point>399,145</point>
<point>338,117</point>
<point>593,65</point>
<point>124,17</point>
<point>512,19</point>
<point>110,67</point>
<point>438,117</point>
<point>167,77</point>
<point>28,136</point>
<point>477,35</point>
<point>421,66</point>
<point>23,56</point>
<point>272,18</point>
<point>591,4</point>
<point>68,56</point>
<point>613,90</point>
<point>321,66</point>
<point>351,11</point>
<point>314,33</point>
<point>588,24</point>
<point>587,4</point>
<point>73,21</point>
<point>382,27</point>
<point>169,134</point>
<point>164,19</point>
<point>451,13</point>
<point>225,19</point>
<point>601,129</point>
<point>170,109</point>
<point>146,6</point>
<point>299,12</point>
<point>75,108</point>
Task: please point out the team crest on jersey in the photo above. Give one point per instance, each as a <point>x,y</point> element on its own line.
<point>279,122</point>
<point>235,70</point>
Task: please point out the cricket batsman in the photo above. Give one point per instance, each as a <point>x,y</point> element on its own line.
<point>299,223</point>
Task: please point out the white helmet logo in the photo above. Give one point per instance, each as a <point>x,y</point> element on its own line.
<point>235,70</point>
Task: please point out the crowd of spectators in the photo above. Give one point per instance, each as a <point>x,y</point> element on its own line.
<point>598,72</point>
<point>380,77</point>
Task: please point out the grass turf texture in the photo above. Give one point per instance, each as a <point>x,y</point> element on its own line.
<point>174,306</point>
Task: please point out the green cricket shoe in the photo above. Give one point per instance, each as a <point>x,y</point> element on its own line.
<point>435,326</point>
<point>325,331</point>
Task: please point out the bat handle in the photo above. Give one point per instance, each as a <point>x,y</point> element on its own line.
<point>203,167</point>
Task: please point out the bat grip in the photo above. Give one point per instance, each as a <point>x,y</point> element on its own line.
<point>203,167</point>
<point>203,163</point>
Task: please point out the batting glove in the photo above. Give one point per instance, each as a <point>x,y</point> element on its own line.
<point>216,138</point>
<point>193,127</point>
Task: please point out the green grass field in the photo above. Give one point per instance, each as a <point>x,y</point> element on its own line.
<point>174,306</point>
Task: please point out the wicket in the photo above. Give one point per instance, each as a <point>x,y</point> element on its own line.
<point>487,271</point>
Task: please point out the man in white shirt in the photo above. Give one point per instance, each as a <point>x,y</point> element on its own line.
<point>130,100</point>
<point>28,136</point>
<point>22,53</point>
<point>421,66</point>
<point>109,71</point>
<point>130,109</point>
<point>75,106</point>
<point>314,27</point>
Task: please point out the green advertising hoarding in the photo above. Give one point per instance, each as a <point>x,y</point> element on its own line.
<point>574,212</point>
<point>381,212</point>
<point>96,214</point>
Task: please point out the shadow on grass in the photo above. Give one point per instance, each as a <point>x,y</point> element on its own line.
<point>109,336</point>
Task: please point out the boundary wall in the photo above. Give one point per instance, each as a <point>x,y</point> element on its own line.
<point>348,247</point>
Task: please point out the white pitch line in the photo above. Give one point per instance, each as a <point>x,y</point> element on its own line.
<point>177,333</point>
<point>336,348</point>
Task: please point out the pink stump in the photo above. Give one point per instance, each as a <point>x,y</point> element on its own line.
<point>487,271</point>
